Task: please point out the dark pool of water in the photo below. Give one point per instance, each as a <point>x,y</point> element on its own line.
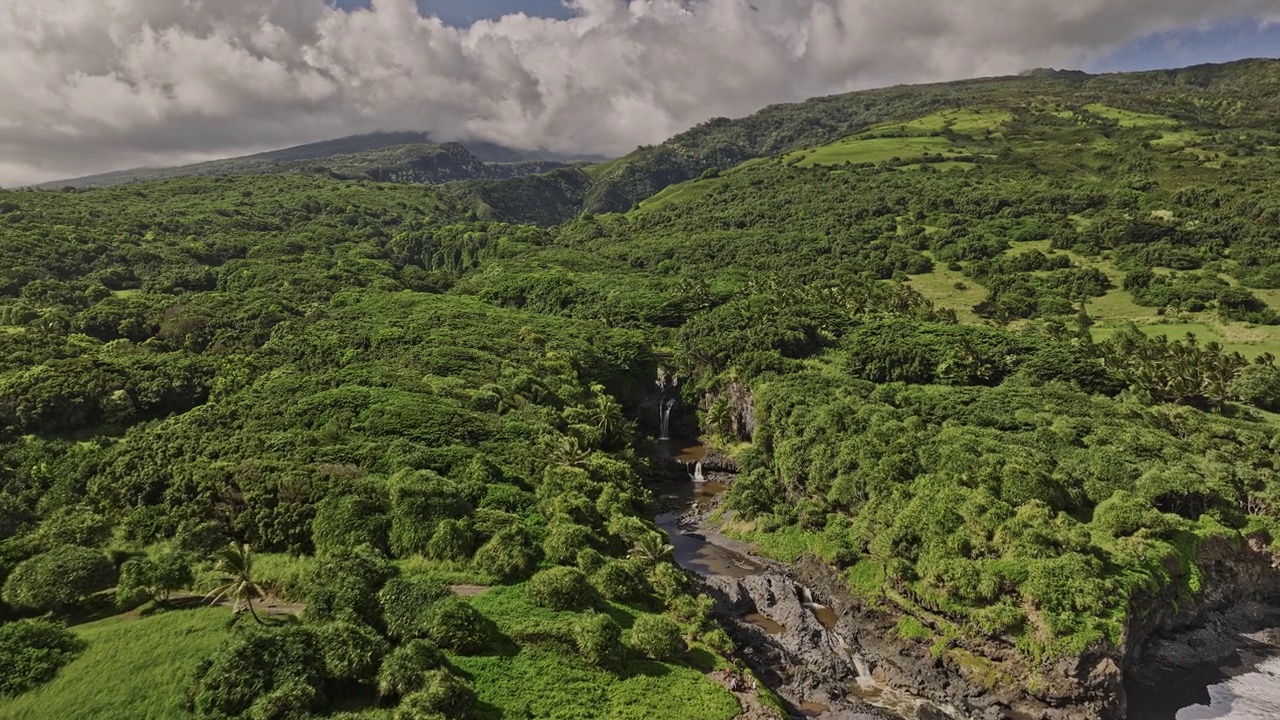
<point>682,451</point>
<point>692,551</point>
<point>1247,688</point>
<point>825,615</point>
<point>813,709</point>
<point>764,622</point>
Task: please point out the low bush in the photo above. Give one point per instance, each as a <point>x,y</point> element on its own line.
<point>407,605</point>
<point>622,581</point>
<point>598,639</point>
<point>58,579</point>
<point>442,695</point>
<point>455,625</point>
<point>350,651</point>
<point>259,668</point>
<point>32,652</point>
<point>561,588</point>
<point>656,637</point>
<point>565,540</point>
<point>404,670</point>
<point>508,556</point>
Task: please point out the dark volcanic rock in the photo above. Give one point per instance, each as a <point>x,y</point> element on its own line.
<point>804,662</point>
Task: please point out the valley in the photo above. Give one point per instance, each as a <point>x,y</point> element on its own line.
<point>938,401</point>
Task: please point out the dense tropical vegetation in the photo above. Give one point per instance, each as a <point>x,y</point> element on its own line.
<point>420,424</point>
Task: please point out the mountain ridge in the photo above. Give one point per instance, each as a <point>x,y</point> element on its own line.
<point>309,156</point>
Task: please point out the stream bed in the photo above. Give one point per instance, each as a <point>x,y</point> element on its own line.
<point>1244,687</point>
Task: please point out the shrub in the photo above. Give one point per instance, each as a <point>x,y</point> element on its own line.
<point>1258,385</point>
<point>1125,514</point>
<point>153,578</point>
<point>350,651</point>
<point>32,652</point>
<point>289,701</point>
<point>564,541</point>
<point>691,609</point>
<point>419,502</point>
<point>718,640</point>
<point>344,586</point>
<point>590,560</point>
<point>456,625</point>
<point>622,580</point>
<point>58,579</point>
<point>260,666</point>
<point>561,588</point>
<point>442,695</point>
<point>508,556</point>
<point>598,639</point>
<point>407,604</point>
<point>656,637</point>
<point>347,521</point>
<point>404,670</point>
<point>453,540</point>
<point>669,581</point>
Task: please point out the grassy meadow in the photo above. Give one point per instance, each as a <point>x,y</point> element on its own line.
<point>135,668</point>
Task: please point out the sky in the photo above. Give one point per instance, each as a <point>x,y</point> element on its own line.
<point>88,86</point>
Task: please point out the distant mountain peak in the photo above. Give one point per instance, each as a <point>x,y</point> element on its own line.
<point>471,160</point>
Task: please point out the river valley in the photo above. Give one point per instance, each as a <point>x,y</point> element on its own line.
<point>799,647</point>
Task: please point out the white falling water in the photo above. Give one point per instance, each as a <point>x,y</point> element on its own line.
<point>864,672</point>
<point>1252,696</point>
<point>697,473</point>
<point>665,433</point>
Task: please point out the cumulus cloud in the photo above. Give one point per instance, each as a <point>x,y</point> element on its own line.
<point>92,85</point>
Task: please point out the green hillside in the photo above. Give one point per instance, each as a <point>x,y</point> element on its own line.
<point>959,313</point>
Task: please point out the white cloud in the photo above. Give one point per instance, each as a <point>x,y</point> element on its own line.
<point>92,85</point>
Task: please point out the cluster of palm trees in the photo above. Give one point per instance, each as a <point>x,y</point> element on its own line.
<point>1183,372</point>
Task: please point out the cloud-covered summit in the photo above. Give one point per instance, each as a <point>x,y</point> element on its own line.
<point>93,85</point>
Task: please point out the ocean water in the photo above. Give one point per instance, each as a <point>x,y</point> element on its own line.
<point>1250,696</point>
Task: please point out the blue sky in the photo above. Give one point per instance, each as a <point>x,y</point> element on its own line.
<point>464,12</point>
<point>1241,39</point>
<point>1232,41</point>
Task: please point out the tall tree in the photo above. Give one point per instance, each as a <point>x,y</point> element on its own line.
<point>235,563</point>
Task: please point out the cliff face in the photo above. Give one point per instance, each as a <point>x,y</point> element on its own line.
<point>742,410</point>
<point>986,681</point>
<point>1231,575</point>
<point>990,680</point>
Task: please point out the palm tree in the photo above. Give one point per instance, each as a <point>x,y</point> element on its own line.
<point>652,547</point>
<point>608,418</point>
<point>235,563</point>
<point>720,416</point>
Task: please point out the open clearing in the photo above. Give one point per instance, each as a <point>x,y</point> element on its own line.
<point>135,668</point>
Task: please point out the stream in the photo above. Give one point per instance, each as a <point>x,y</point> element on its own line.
<point>694,551</point>
<point>1245,687</point>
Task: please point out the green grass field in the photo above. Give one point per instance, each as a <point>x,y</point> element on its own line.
<point>1118,308</point>
<point>545,681</point>
<point>906,141</point>
<point>1128,119</point>
<point>860,149</point>
<point>941,286</point>
<point>135,668</point>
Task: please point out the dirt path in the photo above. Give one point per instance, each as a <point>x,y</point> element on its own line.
<point>272,607</point>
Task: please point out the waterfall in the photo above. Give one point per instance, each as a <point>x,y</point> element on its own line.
<point>864,672</point>
<point>665,433</point>
<point>697,473</point>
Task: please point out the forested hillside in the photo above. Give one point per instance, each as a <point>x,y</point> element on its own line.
<point>1008,347</point>
<point>1237,95</point>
